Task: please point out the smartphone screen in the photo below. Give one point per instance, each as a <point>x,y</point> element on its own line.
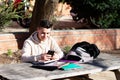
<point>51,52</point>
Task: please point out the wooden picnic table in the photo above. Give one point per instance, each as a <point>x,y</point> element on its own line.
<point>24,71</point>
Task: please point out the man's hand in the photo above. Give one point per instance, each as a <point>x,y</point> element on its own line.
<point>46,57</point>
<point>55,57</point>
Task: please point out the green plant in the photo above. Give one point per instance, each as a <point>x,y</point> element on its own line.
<point>66,49</point>
<point>6,14</point>
<point>102,13</point>
<point>109,11</point>
<point>9,52</point>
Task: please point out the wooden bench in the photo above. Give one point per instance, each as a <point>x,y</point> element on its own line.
<point>23,71</point>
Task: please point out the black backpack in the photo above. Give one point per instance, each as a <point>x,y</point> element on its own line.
<point>83,52</point>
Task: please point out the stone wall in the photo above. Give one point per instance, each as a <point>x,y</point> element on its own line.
<point>105,39</point>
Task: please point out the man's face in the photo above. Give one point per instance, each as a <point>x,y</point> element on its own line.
<point>43,33</point>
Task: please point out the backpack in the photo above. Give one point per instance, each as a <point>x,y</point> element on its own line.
<point>83,52</point>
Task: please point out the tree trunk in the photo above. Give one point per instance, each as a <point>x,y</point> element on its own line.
<point>43,9</point>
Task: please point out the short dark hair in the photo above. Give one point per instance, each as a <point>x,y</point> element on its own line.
<point>45,24</point>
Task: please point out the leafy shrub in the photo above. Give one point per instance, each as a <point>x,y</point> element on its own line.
<point>66,49</point>
<point>104,13</point>
<point>6,14</point>
<point>9,52</point>
<point>109,12</point>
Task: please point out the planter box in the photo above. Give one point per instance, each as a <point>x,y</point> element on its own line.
<point>105,39</point>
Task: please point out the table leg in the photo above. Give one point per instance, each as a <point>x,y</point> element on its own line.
<point>117,74</point>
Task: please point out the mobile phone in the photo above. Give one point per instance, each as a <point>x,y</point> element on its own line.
<point>51,52</point>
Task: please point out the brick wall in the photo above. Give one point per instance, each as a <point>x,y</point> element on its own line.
<point>105,39</point>
<point>13,41</point>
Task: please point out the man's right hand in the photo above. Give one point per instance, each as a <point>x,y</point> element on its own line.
<point>46,57</point>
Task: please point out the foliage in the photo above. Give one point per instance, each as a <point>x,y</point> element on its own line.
<point>66,49</point>
<point>9,12</point>
<point>10,57</point>
<point>109,12</point>
<point>6,14</point>
<point>9,52</point>
<point>105,13</point>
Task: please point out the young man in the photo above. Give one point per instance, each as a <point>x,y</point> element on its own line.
<point>36,47</point>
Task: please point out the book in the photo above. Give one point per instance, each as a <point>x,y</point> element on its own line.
<point>70,66</point>
<point>53,65</point>
<point>44,62</point>
<point>50,65</point>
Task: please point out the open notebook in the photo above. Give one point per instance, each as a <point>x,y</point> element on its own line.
<point>44,62</point>
<point>53,65</point>
<point>47,65</point>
